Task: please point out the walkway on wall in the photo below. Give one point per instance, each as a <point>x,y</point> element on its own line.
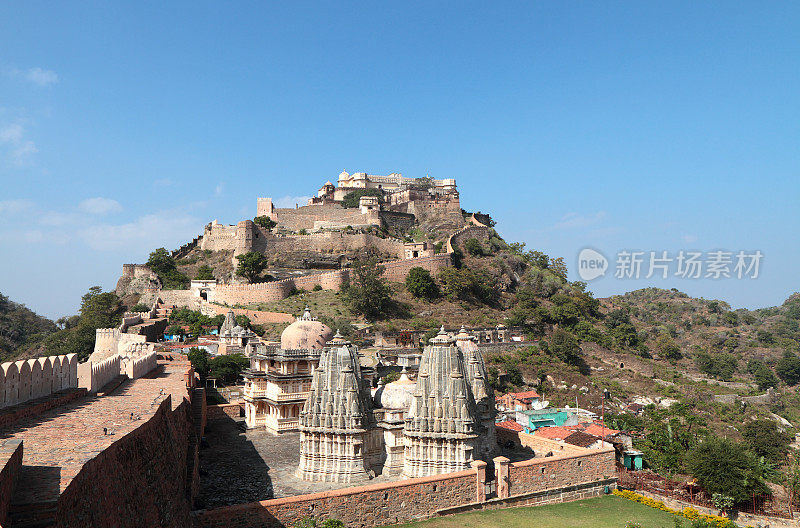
<point>57,443</point>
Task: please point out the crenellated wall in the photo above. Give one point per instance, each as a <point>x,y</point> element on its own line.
<point>458,238</point>
<point>136,367</point>
<point>93,376</point>
<point>25,380</point>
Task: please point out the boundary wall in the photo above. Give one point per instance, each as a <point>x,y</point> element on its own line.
<point>332,280</point>
<point>136,367</point>
<point>28,379</point>
<point>536,481</point>
<point>93,376</point>
<point>10,465</point>
<point>146,478</point>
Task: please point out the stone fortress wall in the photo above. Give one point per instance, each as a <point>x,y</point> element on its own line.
<point>274,291</point>
<point>247,236</point>
<point>29,379</point>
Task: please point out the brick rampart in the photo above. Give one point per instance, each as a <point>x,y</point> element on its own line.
<point>223,411</point>
<point>9,415</point>
<point>10,464</point>
<point>565,477</point>
<point>358,507</point>
<point>558,471</point>
<point>142,479</point>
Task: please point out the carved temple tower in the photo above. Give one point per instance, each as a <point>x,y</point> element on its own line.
<point>482,392</point>
<point>443,424</point>
<point>338,438</point>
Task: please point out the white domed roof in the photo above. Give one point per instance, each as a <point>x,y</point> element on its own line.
<point>397,394</point>
<point>306,333</point>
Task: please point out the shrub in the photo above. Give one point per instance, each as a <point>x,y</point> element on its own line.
<point>352,198</point>
<point>726,467</point>
<point>162,263</point>
<point>667,348</point>
<point>721,366</point>
<point>420,284</point>
<point>140,308</point>
<point>265,222</point>
<point>204,272</point>
<point>788,368</point>
<point>474,247</point>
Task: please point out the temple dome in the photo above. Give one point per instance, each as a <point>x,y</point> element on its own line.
<point>397,394</point>
<point>306,333</point>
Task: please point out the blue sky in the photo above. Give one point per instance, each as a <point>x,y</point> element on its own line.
<point>630,125</point>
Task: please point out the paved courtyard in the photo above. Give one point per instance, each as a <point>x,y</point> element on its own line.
<point>238,466</point>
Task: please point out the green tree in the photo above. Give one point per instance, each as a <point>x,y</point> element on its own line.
<point>762,374</point>
<point>227,368</point>
<point>204,272</point>
<point>726,467</point>
<point>788,368</point>
<point>251,265</point>
<point>200,360</point>
<point>565,347</point>
<point>765,439</point>
<point>721,366</point>
<point>351,199</point>
<point>100,309</point>
<point>420,284</point>
<point>367,292</point>
<point>140,308</point>
<point>265,222</point>
<point>163,264</point>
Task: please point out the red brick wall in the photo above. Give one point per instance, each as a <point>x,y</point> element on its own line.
<point>360,507</point>
<point>560,471</point>
<point>225,410</point>
<point>10,463</point>
<point>143,479</point>
<point>10,415</point>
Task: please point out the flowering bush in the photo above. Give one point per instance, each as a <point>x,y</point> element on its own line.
<point>700,520</point>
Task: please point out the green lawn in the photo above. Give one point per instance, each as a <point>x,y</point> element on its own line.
<point>601,512</point>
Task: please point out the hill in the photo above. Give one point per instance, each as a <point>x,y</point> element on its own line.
<point>20,327</point>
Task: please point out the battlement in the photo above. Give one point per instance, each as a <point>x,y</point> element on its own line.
<point>24,380</point>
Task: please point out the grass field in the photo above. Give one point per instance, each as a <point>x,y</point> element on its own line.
<point>601,512</point>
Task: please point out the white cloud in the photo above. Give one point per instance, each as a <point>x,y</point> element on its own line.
<point>576,221</point>
<point>689,238</point>
<point>37,76</point>
<point>218,189</point>
<point>15,207</point>
<point>99,206</point>
<point>58,219</point>
<point>163,182</point>
<point>145,233</point>
<point>17,148</point>
<point>290,201</point>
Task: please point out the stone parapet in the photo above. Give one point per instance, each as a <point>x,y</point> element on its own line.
<point>24,380</point>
